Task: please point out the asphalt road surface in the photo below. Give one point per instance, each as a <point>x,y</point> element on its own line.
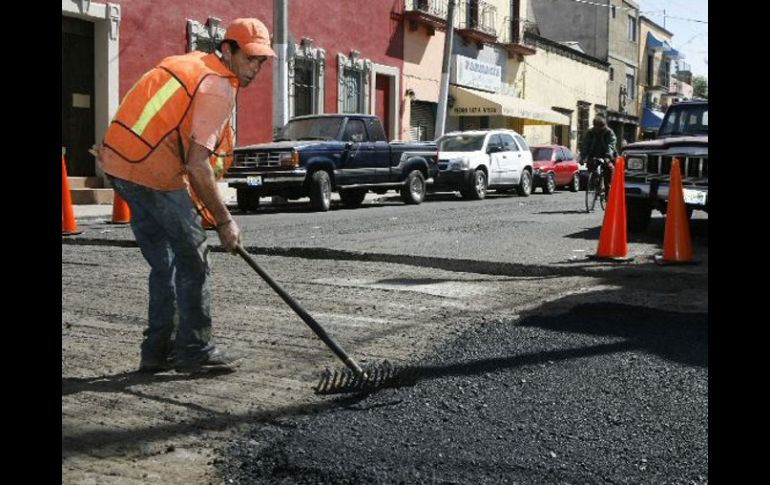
<point>532,364</point>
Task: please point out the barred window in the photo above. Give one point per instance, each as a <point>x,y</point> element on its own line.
<point>306,79</point>
<point>353,83</point>
<point>304,87</point>
<point>352,97</point>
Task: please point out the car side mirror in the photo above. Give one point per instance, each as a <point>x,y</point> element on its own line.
<point>348,145</point>
<point>494,149</point>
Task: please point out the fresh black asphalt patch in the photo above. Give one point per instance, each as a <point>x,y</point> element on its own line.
<point>605,393</point>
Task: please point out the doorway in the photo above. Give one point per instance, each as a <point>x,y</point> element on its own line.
<point>77,110</point>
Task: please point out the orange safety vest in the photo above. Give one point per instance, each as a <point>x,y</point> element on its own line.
<point>155,108</point>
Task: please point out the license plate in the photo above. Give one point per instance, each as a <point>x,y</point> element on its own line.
<point>254,181</point>
<point>694,197</point>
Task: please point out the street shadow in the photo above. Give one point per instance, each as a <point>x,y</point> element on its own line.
<point>561,212</point>
<point>123,380</point>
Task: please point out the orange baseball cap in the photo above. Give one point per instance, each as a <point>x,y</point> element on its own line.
<point>252,37</point>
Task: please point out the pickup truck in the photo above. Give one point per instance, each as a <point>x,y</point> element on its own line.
<point>345,153</point>
<point>683,134</point>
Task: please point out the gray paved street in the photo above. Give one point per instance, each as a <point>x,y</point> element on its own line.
<point>534,364</point>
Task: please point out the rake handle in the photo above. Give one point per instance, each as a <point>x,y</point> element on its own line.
<point>305,316</point>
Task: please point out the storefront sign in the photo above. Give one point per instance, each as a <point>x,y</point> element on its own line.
<point>477,74</point>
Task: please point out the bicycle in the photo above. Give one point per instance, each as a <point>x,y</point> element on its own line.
<point>596,187</point>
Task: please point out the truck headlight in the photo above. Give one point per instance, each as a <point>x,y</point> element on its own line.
<point>289,159</point>
<point>635,163</point>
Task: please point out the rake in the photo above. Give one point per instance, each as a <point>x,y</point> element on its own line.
<point>350,379</point>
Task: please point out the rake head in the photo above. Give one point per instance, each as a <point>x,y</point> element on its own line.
<point>375,375</point>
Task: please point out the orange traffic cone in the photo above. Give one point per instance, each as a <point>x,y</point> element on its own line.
<point>677,244</point>
<point>121,213</point>
<point>68,225</point>
<point>613,239</point>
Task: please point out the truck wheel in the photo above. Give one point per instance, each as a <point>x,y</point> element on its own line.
<point>413,190</point>
<point>248,200</point>
<point>320,191</point>
<point>550,184</point>
<point>575,185</point>
<point>477,189</point>
<point>525,184</point>
<point>638,213</point>
<point>352,197</point>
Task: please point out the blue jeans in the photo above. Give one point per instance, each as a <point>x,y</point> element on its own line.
<point>172,240</point>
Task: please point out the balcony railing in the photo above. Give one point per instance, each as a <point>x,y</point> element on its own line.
<point>515,38</point>
<point>474,19</point>
<point>477,21</point>
<point>431,13</point>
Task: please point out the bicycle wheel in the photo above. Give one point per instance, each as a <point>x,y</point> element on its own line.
<point>592,188</point>
<point>601,192</point>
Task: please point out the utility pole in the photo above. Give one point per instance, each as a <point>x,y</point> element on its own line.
<point>444,89</point>
<point>280,65</point>
<point>664,18</point>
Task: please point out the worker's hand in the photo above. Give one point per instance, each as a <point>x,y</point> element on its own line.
<point>229,235</point>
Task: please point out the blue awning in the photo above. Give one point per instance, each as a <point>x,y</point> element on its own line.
<point>651,119</point>
<point>653,43</point>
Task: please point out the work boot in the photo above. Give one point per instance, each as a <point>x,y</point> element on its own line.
<point>217,358</point>
<point>151,365</point>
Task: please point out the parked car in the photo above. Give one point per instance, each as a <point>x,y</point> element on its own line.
<point>474,161</point>
<point>683,134</point>
<point>315,155</point>
<point>554,166</point>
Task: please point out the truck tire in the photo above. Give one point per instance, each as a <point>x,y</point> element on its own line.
<point>320,191</point>
<point>638,213</point>
<point>525,184</point>
<point>413,190</point>
<point>477,189</point>
<point>352,197</point>
<point>248,200</point>
<point>549,187</point>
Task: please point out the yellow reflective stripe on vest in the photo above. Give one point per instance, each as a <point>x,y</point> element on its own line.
<point>219,167</point>
<point>155,104</point>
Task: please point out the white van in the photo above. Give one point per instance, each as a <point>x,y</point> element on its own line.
<point>474,161</point>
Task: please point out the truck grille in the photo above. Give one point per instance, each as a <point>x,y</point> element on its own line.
<point>690,166</point>
<point>257,159</point>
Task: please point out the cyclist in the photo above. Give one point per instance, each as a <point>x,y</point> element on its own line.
<point>599,142</point>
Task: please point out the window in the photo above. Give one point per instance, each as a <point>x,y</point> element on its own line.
<point>568,154</point>
<point>354,131</point>
<point>630,85</point>
<point>522,142</point>
<point>650,69</point>
<point>632,28</point>
<point>613,11</point>
<point>353,83</point>
<point>612,73</point>
<point>508,143</point>
<point>582,122</point>
<point>495,142</point>
<point>306,79</point>
<point>376,133</point>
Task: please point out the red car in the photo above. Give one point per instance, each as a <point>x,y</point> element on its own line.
<point>554,166</point>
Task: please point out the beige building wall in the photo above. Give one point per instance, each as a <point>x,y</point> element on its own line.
<point>423,56</point>
<point>662,34</point>
<point>556,81</point>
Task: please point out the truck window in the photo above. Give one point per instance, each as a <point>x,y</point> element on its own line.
<point>495,141</point>
<point>508,143</point>
<point>376,133</point>
<point>354,131</point>
<point>522,142</point>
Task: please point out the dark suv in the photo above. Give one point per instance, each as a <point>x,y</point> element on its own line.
<point>683,134</point>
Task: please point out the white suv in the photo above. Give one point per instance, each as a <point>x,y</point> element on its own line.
<point>474,161</point>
